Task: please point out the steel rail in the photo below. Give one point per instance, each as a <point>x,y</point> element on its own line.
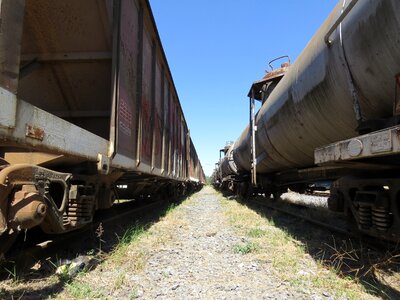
<point>369,241</point>
<point>300,216</point>
<point>41,249</point>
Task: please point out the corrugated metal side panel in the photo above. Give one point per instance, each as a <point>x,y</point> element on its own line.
<point>191,160</point>
<point>172,138</point>
<point>152,130</point>
<point>146,101</point>
<point>129,45</point>
<point>158,118</point>
<point>166,135</point>
<point>179,146</point>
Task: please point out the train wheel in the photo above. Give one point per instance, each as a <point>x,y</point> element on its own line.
<point>245,190</point>
<point>267,193</point>
<point>299,188</point>
<point>278,190</point>
<point>277,193</point>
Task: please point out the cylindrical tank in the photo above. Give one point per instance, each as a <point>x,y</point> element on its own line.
<point>227,165</point>
<point>324,93</point>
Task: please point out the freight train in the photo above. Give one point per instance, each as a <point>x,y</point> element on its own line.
<point>88,113</point>
<point>332,115</point>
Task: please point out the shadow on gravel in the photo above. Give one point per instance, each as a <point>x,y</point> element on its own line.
<point>95,243</point>
<point>373,268</point>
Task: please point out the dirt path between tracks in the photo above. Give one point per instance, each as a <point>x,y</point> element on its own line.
<point>198,252</point>
<point>208,247</point>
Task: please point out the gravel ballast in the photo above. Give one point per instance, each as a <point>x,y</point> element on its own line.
<point>197,252</point>
<point>208,247</point>
<point>200,261</point>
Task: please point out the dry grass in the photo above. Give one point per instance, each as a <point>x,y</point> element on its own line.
<point>129,257</point>
<point>378,270</point>
<point>288,257</point>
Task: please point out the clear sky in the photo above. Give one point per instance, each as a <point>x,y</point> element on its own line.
<point>217,48</point>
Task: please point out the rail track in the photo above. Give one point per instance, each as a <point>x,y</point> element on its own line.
<point>25,254</point>
<point>298,211</point>
<point>322,218</point>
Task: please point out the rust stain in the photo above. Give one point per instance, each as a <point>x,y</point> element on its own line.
<point>278,72</point>
<point>34,132</point>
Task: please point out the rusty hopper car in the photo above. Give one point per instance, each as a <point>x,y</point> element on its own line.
<point>87,103</point>
<point>334,115</point>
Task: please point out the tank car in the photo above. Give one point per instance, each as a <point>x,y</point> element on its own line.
<point>333,115</point>
<point>87,105</point>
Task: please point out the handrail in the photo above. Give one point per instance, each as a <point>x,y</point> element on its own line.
<point>339,20</point>
<point>280,57</point>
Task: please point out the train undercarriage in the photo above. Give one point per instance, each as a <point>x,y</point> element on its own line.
<point>59,202</point>
<point>361,175</point>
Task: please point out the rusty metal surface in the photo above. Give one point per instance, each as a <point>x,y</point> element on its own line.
<point>34,132</point>
<point>261,89</point>
<point>66,60</point>
<point>95,82</point>
<point>4,191</point>
<point>35,158</point>
<point>12,14</point>
<point>152,132</point>
<point>375,211</point>
<point>313,104</point>
<point>30,176</point>
<point>27,209</point>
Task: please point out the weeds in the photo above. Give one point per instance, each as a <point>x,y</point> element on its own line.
<point>99,233</point>
<point>272,241</point>
<point>13,272</point>
<point>130,235</point>
<point>61,273</point>
<point>246,248</point>
<point>119,281</point>
<point>363,265</point>
<point>80,290</point>
<point>256,232</point>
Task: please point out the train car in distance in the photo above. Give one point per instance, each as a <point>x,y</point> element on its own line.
<point>332,115</point>
<point>87,104</point>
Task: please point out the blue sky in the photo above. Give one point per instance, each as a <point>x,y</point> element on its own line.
<point>216,49</point>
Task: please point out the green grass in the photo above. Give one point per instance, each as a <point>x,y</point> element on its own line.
<point>12,271</point>
<point>79,290</point>
<point>245,248</point>
<point>129,236</point>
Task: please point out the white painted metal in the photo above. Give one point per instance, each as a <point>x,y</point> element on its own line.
<point>59,135</point>
<point>380,143</point>
<point>8,108</point>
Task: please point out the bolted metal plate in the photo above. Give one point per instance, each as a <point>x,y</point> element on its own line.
<point>381,142</point>
<point>355,147</point>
